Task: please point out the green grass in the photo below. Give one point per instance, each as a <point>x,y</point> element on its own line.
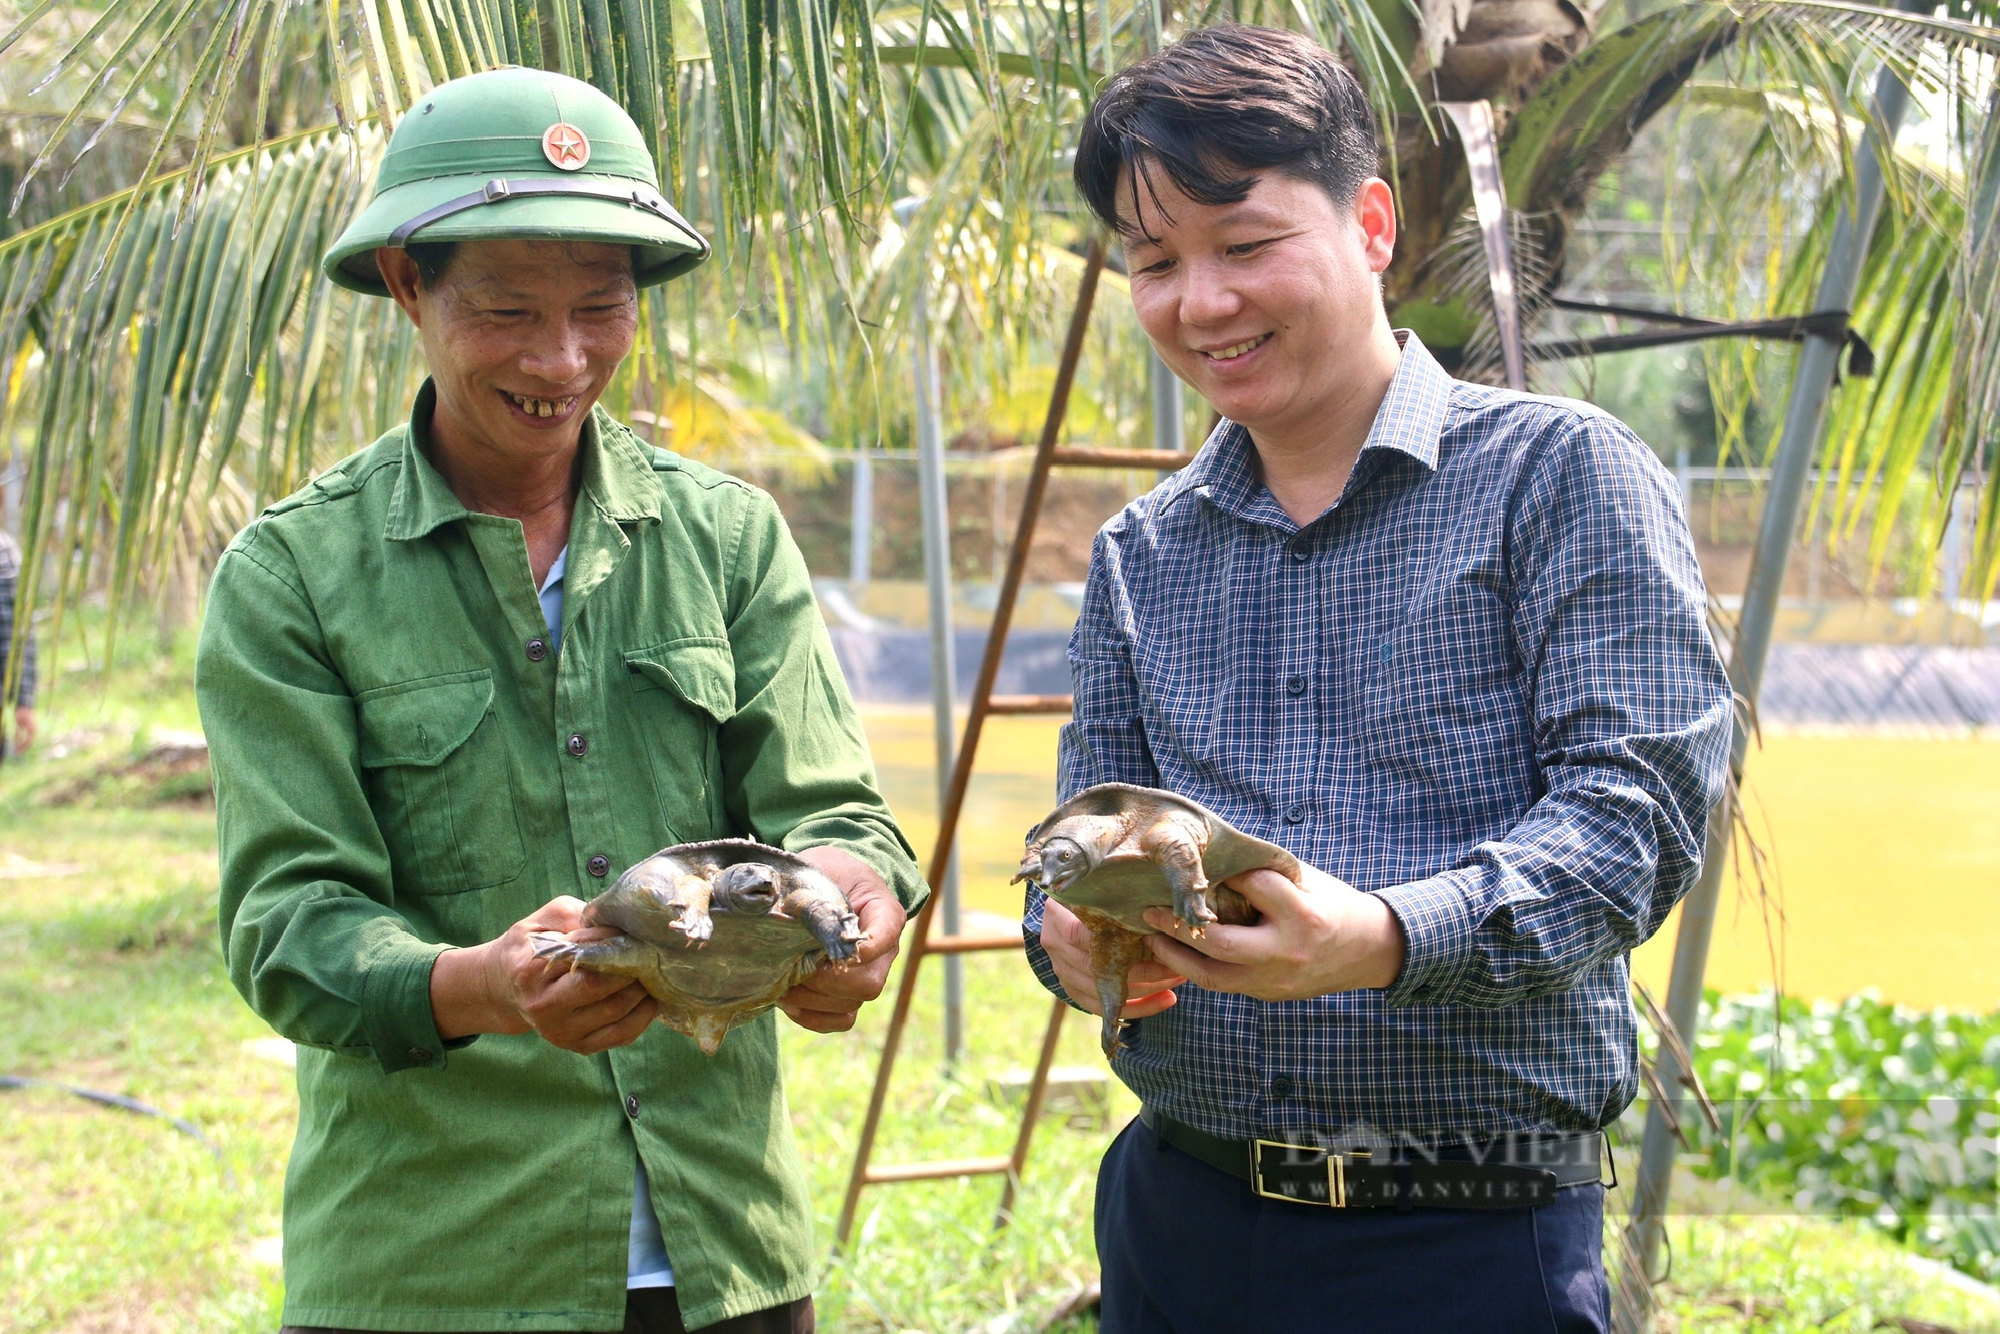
<point>110,978</point>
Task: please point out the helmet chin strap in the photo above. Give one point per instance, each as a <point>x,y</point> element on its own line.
<point>496,191</point>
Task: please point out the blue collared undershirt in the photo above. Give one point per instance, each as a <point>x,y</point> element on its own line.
<point>646,1263</point>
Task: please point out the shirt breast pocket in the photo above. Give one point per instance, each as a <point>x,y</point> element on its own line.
<point>682,694</point>
<point>1447,710</point>
<point>439,782</point>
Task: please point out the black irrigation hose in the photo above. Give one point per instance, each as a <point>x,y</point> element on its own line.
<point>126,1104</point>
<point>1690,328</point>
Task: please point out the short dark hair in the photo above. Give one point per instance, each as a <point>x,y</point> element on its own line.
<point>1219,105</point>
<point>432,258</point>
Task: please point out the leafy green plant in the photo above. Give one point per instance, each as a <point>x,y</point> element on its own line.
<point>1858,1108</point>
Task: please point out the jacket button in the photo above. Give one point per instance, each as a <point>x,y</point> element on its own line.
<point>419,1055</point>
<point>632,1106</point>
<point>600,866</point>
<point>577,745</point>
<point>1297,685</point>
<point>1301,550</point>
<point>1281,1088</point>
<point>1295,814</point>
<point>537,649</point>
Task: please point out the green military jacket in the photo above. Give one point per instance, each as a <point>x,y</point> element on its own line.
<point>402,765</point>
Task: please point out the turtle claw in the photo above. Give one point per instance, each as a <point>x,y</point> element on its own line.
<point>554,949</point>
<point>1111,1000</point>
<point>697,927</point>
<point>1191,908</point>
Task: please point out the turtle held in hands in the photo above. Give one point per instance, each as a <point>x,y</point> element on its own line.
<point>715,931</point>
<point>1114,850</point>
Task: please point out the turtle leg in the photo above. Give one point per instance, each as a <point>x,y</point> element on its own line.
<point>1113,953</point>
<point>824,911</point>
<point>653,898</point>
<point>620,956</point>
<point>1175,844</point>
<point>690,894</point>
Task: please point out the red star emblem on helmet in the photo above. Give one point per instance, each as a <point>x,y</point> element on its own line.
<point>565,147</point>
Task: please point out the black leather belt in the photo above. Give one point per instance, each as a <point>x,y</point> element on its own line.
<point>1518,1171</point>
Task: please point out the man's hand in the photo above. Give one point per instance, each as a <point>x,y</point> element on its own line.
<point>1325,938</point>
<point>827,1001</point>
<point>1149,987</point>
<point>501,987</point>
<point>24,727</point>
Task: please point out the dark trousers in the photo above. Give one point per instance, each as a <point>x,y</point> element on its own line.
<point>1186,1249</point>
<point>658,1311</point>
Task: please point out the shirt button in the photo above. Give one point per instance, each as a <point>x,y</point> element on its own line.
<point>1295,814</point>
<point>632,1106</point>
<point>537,649</point>
<point>1297,685</point>
<point>1281,1088</point>
<point>419,1055</point>
<point>577,745</point>
<point>1301,550</point>
<point>599,866</point>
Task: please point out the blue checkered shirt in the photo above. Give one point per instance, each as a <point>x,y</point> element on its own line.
<point>1481,685</point>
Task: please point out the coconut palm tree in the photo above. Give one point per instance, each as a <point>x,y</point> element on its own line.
<point>170,358</point>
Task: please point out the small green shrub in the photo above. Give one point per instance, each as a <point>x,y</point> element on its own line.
<point>1860,1109</point>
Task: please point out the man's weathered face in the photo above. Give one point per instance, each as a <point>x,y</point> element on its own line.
<point>521,336</point>
<point>1254,303</point>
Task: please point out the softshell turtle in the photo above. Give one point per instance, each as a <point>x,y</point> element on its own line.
<point>715,931</point>
<point>1115,850</point>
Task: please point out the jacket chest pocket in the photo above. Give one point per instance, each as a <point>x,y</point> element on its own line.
<point>682,693</point>
<point>439,782</point>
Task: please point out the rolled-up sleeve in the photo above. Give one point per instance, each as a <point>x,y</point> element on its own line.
<point>1631,712</point>
<point>308,933</point>
<point>1105,739</point>
<point>795,760</point>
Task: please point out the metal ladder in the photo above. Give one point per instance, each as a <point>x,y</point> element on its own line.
<point>986,704</point>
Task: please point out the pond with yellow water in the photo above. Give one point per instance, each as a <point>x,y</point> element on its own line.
<point>1882,856</point>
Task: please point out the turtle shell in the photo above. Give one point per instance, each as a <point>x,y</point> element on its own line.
<point>1125,882</point>
<point>716,932</point>
<point>748,956</point>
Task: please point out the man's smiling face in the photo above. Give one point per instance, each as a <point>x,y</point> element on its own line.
<point>521,336</point>
<point>1253,303</point>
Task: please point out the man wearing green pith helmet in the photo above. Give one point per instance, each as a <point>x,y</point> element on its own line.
<point>452,689</point>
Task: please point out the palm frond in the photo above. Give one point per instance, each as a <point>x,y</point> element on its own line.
<point>177,355</point>
<point>1972,415</point>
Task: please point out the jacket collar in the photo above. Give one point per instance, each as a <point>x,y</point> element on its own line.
<point>618,478</point>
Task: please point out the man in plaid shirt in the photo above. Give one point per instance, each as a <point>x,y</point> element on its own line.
<point>1448,645</point>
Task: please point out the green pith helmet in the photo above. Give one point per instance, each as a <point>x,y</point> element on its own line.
<point>517,154</point>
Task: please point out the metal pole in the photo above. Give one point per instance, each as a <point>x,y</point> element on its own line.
<point>936,517</point>
<point>861,540</point>
<point>1169,425</point>
<point>1805,415</point>
<point>1169,420</point>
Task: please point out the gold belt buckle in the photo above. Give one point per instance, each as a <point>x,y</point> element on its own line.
<point>1336,1173</point>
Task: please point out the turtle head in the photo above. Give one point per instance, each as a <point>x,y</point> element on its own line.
<point>747,888</point>
<point>1064,862</point>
